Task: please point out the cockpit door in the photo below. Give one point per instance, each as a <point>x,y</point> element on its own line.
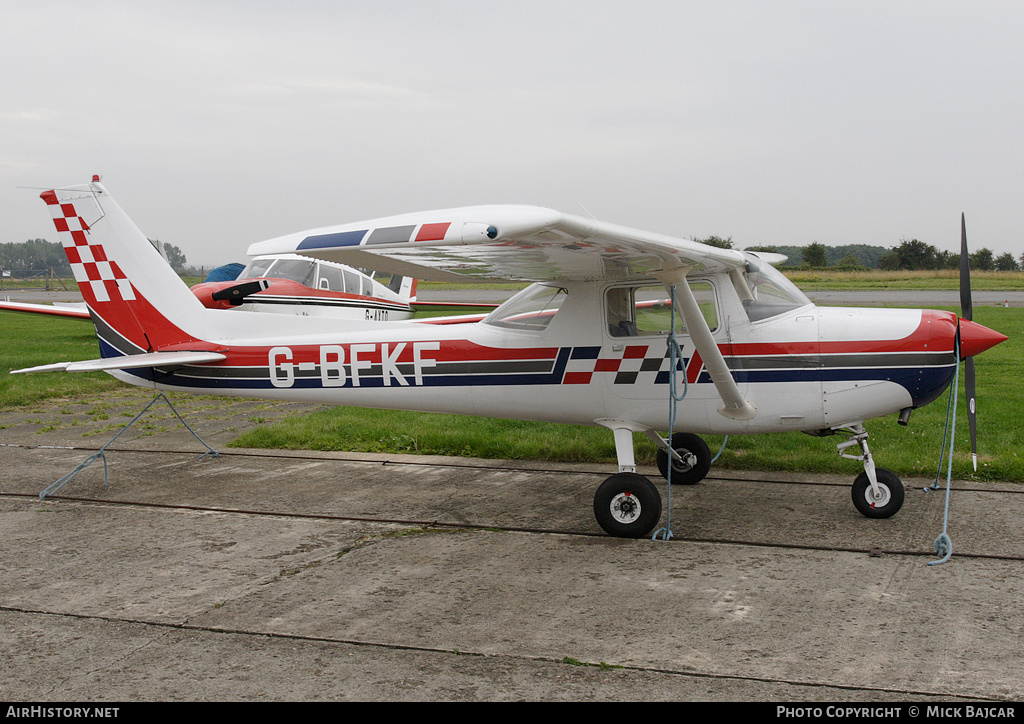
<point>635,355</point>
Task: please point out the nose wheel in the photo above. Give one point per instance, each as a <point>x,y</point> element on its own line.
<point>877,492</point>
<point>882,501</point>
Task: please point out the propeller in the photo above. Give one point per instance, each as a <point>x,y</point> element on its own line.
<point>237,293</point>
<point>967,312</point>
<point>971,339</point>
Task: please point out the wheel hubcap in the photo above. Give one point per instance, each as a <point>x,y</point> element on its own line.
<point>880,500</point>
<point>686,463</point>
<point>625,508</point>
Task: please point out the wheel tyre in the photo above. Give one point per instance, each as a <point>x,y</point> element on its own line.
<point>627,505</point>
<point>890,499</point>
<point>694,451</point>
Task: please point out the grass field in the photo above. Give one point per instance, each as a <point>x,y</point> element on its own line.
<point>876,279</point>
<point>29,340</point>
<point>835,279</point>
<point>913,450</point>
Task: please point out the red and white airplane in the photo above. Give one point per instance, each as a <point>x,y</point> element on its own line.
<point>586,343</point>
<point>299,285</point>
<point>293,284</point>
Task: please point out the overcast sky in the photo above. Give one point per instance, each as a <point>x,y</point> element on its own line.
<point>218,123</point>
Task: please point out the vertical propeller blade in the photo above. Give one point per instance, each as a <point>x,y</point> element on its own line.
<point>972,416</point>
<point>966,312</point>
<point>966,305</point>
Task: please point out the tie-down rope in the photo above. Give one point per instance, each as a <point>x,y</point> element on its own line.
<point>674,355</point>
<point>943,544</point>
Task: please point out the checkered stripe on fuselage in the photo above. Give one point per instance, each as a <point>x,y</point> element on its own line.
<point>633,364</point>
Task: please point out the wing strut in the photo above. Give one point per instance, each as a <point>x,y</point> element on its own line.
<point>736,406</point>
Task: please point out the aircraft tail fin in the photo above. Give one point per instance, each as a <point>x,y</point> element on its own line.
<point>138,304</point>
<point>405,287</point>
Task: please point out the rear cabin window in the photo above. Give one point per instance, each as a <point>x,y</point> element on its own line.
<point>352,283</point>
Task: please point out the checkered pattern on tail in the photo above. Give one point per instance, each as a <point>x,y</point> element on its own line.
<point>94,273</point>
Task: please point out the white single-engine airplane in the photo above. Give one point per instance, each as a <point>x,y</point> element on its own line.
<point>587,343</point>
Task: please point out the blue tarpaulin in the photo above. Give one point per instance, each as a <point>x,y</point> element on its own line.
<point>226,273</point>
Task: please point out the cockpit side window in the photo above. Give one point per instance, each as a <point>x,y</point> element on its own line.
<point>331,278</point>
<point>644,311</point>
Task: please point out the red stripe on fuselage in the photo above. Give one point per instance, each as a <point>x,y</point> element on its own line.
<point>933,334</point>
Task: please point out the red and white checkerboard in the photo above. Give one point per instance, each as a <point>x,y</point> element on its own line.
<point>89,263</point>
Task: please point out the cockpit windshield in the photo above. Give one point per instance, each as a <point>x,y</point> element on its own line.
<point>256,269</point>
<point>297,270</point>
<point>532,309</point>
<point>765,291</point>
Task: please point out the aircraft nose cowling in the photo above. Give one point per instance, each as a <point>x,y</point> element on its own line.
<point>976,338</point>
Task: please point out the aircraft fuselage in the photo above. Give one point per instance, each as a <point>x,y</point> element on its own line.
<point>808,368</point>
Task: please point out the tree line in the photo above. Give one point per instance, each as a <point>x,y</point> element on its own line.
<point>909,254</point>
<point>40,254</point>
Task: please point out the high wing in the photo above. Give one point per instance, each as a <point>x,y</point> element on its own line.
<point>529,243</point>
<point>521,243</point>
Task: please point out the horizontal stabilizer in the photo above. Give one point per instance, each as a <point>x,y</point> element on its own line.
<point>150,359</point>
<point>76,311</point>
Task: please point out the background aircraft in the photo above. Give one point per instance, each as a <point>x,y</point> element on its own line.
<point>293,284</point>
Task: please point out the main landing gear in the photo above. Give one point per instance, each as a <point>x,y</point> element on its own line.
<point>877,492</point>
<point>691,461</point>
<point>628,505</point>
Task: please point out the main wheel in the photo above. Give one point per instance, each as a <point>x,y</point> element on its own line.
<point>627,505</point>
<point>889,498</point>
<point>695,463</point>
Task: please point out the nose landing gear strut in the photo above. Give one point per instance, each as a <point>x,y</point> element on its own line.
<point>877,492</point>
